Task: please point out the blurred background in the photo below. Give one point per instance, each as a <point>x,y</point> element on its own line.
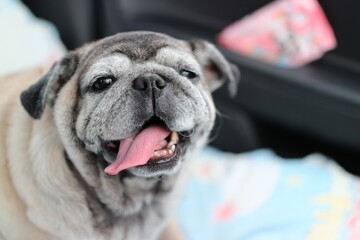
<point>292,111</point>
<point>314,108</point>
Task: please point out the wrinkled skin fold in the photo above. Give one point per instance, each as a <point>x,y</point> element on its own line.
<point>72,120</point>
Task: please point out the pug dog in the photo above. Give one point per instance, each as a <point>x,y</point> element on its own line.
<point>93,147</point>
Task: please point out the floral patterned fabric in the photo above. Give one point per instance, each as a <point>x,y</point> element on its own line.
<point>260,196</point>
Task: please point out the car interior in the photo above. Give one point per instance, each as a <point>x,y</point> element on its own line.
<point>283,158</point>
<point>314,108</point>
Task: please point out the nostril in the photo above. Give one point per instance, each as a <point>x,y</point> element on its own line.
<point>160,83</point>
<point>140,83</point>
<point>143,83</point>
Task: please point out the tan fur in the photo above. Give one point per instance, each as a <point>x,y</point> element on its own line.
<point>13,211</point>
<point>52,183</point>
<point>28,202</point>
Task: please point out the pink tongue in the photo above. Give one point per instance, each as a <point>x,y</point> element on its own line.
<point>137,150</point>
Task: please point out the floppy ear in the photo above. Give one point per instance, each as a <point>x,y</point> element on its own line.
<point>216,68</point>
<point>45,89</point>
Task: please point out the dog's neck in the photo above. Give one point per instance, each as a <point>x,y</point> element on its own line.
<point>103,217</point>
<point>151,194</point>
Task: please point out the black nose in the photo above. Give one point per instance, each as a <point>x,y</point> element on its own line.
<point>146,82</point>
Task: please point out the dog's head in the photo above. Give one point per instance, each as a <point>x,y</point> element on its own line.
<point>135,100</point>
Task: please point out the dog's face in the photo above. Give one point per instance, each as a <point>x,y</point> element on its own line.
<point>136,101</point>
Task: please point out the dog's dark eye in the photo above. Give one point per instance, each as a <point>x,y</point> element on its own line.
<point>102,83</point>
<point>188,74</point>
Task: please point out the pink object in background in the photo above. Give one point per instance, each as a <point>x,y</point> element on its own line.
<point>288,33</point>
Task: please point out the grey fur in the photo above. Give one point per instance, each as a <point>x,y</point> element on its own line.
<point>136,204</point>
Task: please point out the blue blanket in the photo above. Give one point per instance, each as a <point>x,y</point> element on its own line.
<point>260,196</point>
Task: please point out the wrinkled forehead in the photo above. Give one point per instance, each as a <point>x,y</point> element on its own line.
<point>118,64</point>
<point>124,49</point>
<point>136,46</point>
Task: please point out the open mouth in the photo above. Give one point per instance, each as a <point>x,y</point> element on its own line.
<point>154,146</point>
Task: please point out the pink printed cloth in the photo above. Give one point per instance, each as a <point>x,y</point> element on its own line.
<point>288,33</point>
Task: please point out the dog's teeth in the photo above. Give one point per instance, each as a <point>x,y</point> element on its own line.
<point>174,139</point>
<point>163,152</point>
<point>171,150</point>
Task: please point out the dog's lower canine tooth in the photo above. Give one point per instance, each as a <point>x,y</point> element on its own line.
<point>174,139</point>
